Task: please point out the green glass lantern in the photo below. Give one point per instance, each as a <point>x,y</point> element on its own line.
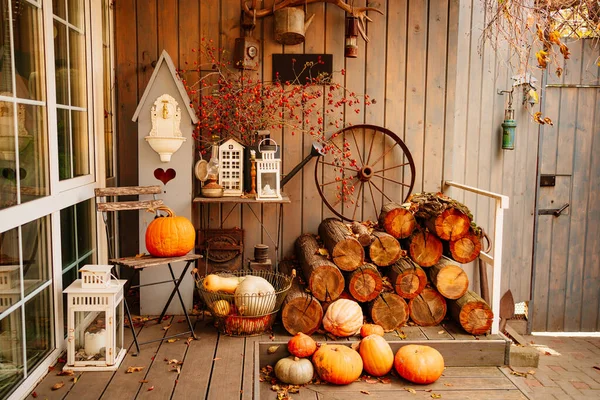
<point>509,127</point>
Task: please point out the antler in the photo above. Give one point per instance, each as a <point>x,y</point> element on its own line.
<point>358,12</point>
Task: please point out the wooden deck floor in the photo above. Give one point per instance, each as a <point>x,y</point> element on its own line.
<point>221,367</point>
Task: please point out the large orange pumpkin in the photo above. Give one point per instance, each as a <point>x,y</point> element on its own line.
<point>337,364</point>
<point>419,364</point>
<point>343,318</point>
<point>170,236</point>
<point>377,355</point>
<point>302,345</point>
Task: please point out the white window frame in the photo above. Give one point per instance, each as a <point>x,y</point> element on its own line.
<point>63,194</point>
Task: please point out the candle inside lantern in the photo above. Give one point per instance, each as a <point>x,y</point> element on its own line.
<point>94,342</point>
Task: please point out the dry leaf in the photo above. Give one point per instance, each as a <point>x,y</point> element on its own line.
<point>173,340</point>
<point>143,381</point>
<point>66,372</point>
<point>216,358</point>
<point>548,121</point>
<point>272,349</point>
<point>521,374</point>
<point>448,384</point>
<point>58,385</point>
<point>189,340</point>
<point>542,58</point>
<point>151,388</point>
<point>133,369</point>
<point>554,37</point>
<point>537,117</point>
<point>166,327</point>
<point>565,51</point>
<point>410,390</point>
<point>140,255</point>
<point>371,380</point>
<point>441,332</point>
<point>365,392</point>
<point>34,395</point>
<point>559,71</point>
<point>323,252</point>
<point>385,380</point>
<point>436,396</point>
<point>531,372</point>
<point>400,334</point>
<point>173,361</point>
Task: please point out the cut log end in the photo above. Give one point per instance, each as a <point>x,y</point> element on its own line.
<point>397,220</point>
<point>449,279</point>
<point>326,283</point>
<point>365,283</point>
<point>348,254</point>
<point>302,314</point>
<point>476,318</point>
<point>425,249</point>
<point>407,278</point>
<point>465,249</point>
<point>452,224</point>
<point>428,308</point>
<point>389,310</point>
<point>385,249</point>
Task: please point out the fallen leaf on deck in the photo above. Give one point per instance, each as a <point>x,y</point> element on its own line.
<point>385,380</point>
<point>173,361</point>
<point>133,369</point>
<point>365,392</point>
<point>75,379</point>
<point>172,340</point>
<point>66,372</point>
<point>58,385</point>
<point>272,349</point>
<point>400,334</point>
<point>531,372</point>
<point>216,358</point>
<point>151,388</point>
<point>166,327</point>
<point>189,340</point>
<point>179,321</point>
<point>436,396</point>
<point>140,255</point>
<point>34,395</point>
<point>371,380</point>
<point>144,381</point>
<point>50,368</point>
<point>448,384</point>
<point>410,390</point>
<point>61,360</point>
<point>517,373</point>
<point>323,252</point>
<point>441,332</point>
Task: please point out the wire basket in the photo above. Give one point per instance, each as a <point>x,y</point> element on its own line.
<point>248,314</point>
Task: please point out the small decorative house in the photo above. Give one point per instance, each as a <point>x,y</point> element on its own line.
<point>95,325</point>
<point>268,173</point>
<point>231,168</point>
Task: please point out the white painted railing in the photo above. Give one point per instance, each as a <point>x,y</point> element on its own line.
<point>496,260</point>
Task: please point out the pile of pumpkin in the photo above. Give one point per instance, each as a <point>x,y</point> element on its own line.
<point>341,365</point>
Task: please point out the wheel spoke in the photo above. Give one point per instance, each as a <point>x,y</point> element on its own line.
<point>338,201</point>
<point>371,148</point>
<point>388,179</point>
<point>385,154</point>
<point>357,150</point>
<point>362,184</point>
<point>388,168</point>
<point>328,183</point>
<point>380,191</point>
<point>335,166</point>
<point>372,198</point>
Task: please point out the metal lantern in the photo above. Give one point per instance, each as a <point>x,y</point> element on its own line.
<point>231,168</point>
<point>95,321</point>
<point>509,126</point>
<point>351,38</point>
<point>268,172</point>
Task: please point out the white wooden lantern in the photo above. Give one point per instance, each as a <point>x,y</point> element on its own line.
<point>95,276</point>
<point>268,173</point>
<point>9,276</point>
<point>231,168</point>
<point>95,326</point>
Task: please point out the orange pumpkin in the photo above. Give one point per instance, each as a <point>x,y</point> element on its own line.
<point>343,318</point>
<point>377,355</point>
<point>170,236</point>
<point>371,329</point>
<point>419,364</point>
<point>337,364</point>
<point>302,345</point>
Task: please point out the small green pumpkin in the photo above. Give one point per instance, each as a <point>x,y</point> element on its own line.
<point>294,370</point>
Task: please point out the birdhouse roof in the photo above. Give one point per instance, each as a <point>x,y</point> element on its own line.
<point>166,59</point>
<point>230,141</point>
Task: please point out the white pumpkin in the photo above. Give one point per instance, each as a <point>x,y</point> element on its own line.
<point>343,318</point>
<point>255,296</point>
<point>294,370</point>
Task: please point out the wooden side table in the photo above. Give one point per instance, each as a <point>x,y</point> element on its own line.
<point>147,261</point>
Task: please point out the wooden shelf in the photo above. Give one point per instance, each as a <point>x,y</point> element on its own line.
<point>240,200</point>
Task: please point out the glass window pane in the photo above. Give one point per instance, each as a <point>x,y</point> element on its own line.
<point>67,237</point>
<point>29,53</point>
<point>11,352</point>
<point>39,325</point>
<point>90,335</point>
<point>5,58</point>
<point>59,8</point>
<point>61,63</point>
<point>8,175</point>
<point>78,68</point>
<point>76,12</point>
<point>36,253</point>
<point>33,158</point>
<point>64,143</point>
<point>81,164</point>
<point>85,228</point>
<point>10,269</point>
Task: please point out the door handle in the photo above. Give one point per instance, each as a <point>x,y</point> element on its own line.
<point>560,210</point>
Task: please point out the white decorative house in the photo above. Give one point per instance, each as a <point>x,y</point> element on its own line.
<point>95,324</point>
<point>231,168</point>
<point>268,173</point>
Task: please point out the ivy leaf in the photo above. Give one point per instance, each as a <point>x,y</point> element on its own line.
<point>554,37</point>
<point>537,117</point>
<point>564,51</point>
<point>542,58</point>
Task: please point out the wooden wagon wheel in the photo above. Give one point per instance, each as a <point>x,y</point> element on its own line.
<point>364,166</point>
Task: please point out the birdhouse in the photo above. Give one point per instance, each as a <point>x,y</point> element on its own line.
<point>268,172</point>
<point>164,111</point>
<point>231,168</point>
<point>95,324</point>
<point>9,276</point>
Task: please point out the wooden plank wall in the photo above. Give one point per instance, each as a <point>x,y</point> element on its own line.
<point>404,67</point>
<point>473,152</point>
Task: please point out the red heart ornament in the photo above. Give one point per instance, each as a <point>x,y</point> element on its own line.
<point>164,176</point>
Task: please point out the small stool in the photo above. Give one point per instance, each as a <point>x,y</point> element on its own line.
<point>147,261</point>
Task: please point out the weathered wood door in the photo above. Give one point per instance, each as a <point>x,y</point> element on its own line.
<point>566,274</point>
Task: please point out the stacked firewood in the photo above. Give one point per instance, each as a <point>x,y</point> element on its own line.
<point>409,266</point>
